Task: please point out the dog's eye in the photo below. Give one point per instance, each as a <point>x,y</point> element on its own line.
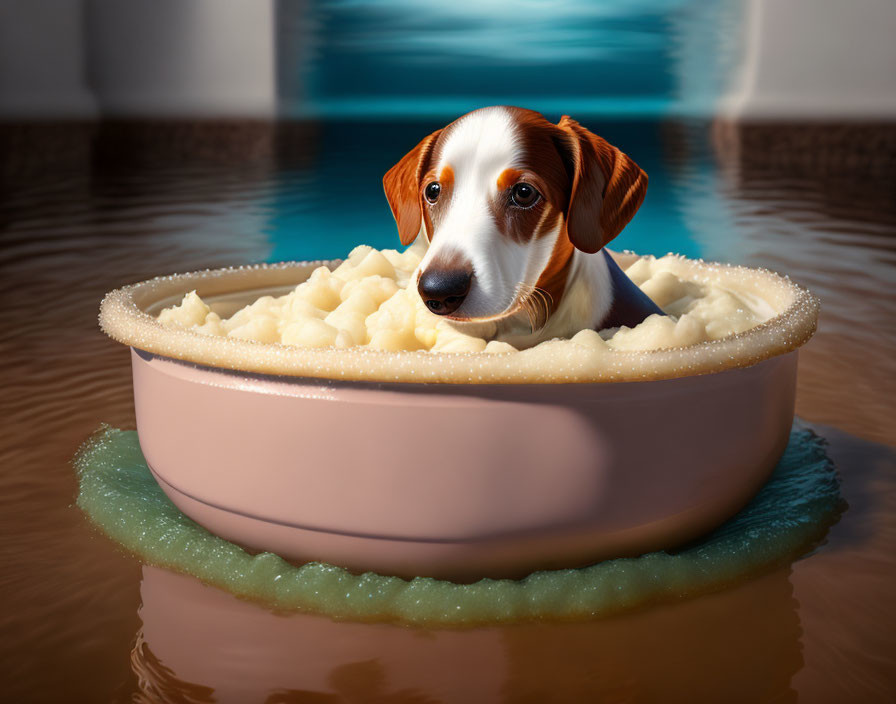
<point>523,195</point>
<point>432,191</point>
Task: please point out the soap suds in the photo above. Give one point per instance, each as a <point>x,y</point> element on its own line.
<point>356,320</point>
<point>366,301</point>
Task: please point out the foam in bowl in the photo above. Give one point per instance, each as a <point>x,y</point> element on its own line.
<point>366,301</point>
<point>359,320</point>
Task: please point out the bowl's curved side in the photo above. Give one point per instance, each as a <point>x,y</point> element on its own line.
<point>460,481</point>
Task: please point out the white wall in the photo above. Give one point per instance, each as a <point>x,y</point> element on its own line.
<point>156,58</point>
<point>42,63</point>
<point>816,59</point>
<point>182,57</point>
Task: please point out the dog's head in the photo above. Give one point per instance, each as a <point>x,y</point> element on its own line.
<point>504,197</point>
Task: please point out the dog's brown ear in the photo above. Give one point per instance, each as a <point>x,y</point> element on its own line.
<point>402,186</point>
<point>607,187</point>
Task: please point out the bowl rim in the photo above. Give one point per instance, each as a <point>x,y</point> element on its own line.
<point>123,317</point>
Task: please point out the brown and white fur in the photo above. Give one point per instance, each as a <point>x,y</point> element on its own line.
<point>521,272</point>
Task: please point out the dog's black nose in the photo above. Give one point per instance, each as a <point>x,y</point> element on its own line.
<point>443,290</point>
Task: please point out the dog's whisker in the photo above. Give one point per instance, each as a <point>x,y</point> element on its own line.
<point>533,302</point>
<point>547,303</point>
<point>536,303</point>
<point>527,309</point>
<point>532,311</point>
<point>523,294</point>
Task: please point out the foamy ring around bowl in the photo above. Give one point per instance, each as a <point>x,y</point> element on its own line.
<point>124,317</point>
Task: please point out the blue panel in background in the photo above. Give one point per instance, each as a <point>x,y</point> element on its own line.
<point>366,58</point>
<point>375,77</point>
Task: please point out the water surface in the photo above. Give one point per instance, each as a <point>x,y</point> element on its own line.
<point>84,209</point>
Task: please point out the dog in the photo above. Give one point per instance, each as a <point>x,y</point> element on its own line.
<point>516,211</point>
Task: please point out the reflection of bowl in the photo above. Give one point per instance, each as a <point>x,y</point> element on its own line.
<point>455,480</point>
<point>208,638</point>
<point>196,638</point>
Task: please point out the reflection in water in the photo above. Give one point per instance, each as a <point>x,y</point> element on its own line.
<point>85,209</point>
<point>819,204</point>
<point>196,639</point>
<point>157,683</point>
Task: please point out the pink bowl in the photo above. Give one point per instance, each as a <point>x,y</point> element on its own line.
<point>458,480</point>
<point>454,480</point>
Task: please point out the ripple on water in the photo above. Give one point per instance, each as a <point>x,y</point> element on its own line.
<point>86,209</point>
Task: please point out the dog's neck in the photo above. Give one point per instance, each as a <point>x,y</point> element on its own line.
<point>598,295</point>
